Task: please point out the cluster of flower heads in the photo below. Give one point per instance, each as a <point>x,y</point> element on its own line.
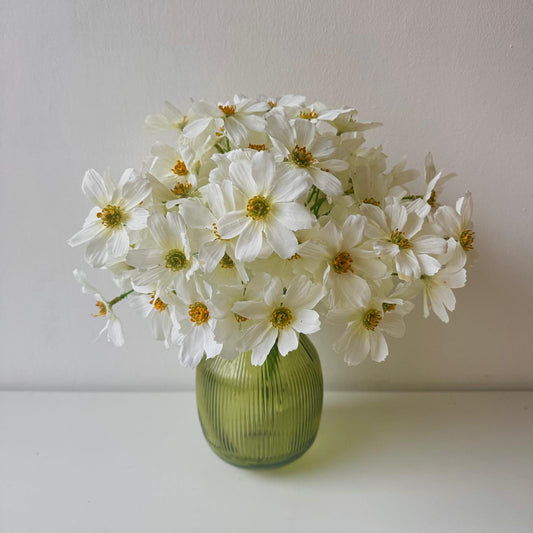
<point>267,218</point>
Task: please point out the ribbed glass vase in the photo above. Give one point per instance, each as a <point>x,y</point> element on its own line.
<point>261,416</point>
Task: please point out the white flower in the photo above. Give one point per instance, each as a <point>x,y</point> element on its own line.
<point>174,169</point>
<point>280,317</point>
<point>348,263</point>
<point>113,327</point>
<point>364,328</point>
<point>437,289</point>
<point>194,334</point>
<point>170,119</point>
<point>158,309</point>
<point>456,223</point>
<point>168,262</point>
<point>267,207</point>
<point>213,251</point>
<point>395,236</point>
<point>239,118</point>
<point>308,155</point>
<point>117,211</point>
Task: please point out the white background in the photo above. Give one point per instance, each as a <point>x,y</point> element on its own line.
<point>78,78</point>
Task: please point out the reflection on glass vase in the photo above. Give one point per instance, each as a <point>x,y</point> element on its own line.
<point>261,416</point>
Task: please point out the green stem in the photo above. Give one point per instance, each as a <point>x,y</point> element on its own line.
<point>119,298</point>
<point>413,197</point>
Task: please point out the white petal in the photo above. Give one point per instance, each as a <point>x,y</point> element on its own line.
<point>96,189</point>
<point>274,292</point>
<point>378,347</point>
<point>393,325</point>
<point>134,192</point>
<point>232,224</point>
<point>211,253</point>
<point>407,266</point>
<point>352,288</point>
<point>306,321</point>
<point>261,351</point>
<point>287,340</point>
<point>88,232</point>
<point>291,184</point>
<point>158,226</point>
<point>249,242</point>
<point>353,230</point>
<point>305,132</point>
<point>144,258</point>
<point>236,130</point>
<point>96,253</point>
<point>137,218</point>
<point>118,244</point>
<point>429,244</point>
<point>353,345</point>
<point>293,216</point>
<point>263,171</point>
<point>282,240</point>
<point>114,332</point>
<point>326,182</point>
<point>429,265</point>
<point>197,127</point>
<point>449,221</point>
<point>241,175</point>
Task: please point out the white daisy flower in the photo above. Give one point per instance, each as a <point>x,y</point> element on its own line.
<point>117,211</point>
<point>281,316</point>
<point>112,327</point>
<point>196,323</point>
<point>175,169</point>
<point>159,310</point>
<point>364,328</point>
<point>239,117</point>
<point>171,118</point>
<point>169,262</point>
<point>307,155</point>
<point>267,208</point>
<point>347,263</point>
<point>395,236</point>
<point>456,223</point>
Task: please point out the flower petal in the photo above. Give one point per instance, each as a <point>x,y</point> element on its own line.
<point>287,341</point>
<point>249,242</point>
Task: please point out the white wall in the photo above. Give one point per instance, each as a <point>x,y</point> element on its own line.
<point>79,77</point>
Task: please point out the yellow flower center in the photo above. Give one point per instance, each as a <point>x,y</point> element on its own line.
<point>388,307</point>
<point>258,147</point>
<point>181,188</point>
<point>102,310</point>
<point>343,263</point>
<point>227,109</point>
<point>180,168</point>
<point>272,104</point>
<point>111,216</point>
<point>258,208</point>
<point>226,261</point>
<point>295,256</point>
<point>372,201</point>
<point>399,238</point>
<point>371,319</point>
<point>239,318</point>
<point>281,317</point>
<point>467,240</point>
<point>158,304</point>
<point>198,313</point>
<point>308,114</point>
<point>175,260</point>
<point>432,200</point>
<point>301,157</point>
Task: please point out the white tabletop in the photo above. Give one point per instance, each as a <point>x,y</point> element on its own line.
<point>382,462</point>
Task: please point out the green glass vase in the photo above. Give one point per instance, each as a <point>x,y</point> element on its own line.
<point>261,416</point>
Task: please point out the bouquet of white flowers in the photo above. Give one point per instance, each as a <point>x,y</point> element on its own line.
<point>267,218</point>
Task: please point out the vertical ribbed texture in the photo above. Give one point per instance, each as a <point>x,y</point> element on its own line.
<point>260,416</point>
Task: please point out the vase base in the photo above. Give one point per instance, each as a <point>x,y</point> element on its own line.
<point>254,463</point>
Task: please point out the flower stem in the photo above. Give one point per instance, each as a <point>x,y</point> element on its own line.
<point>120,298</point>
